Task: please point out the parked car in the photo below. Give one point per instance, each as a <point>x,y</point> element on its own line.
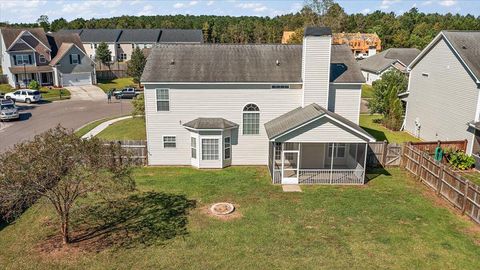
<point>8,110</point>
<point>126,93</point>
<point>24,95</point>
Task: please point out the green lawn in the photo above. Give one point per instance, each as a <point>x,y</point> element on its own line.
<point>387,224</point>
<point>116,83</point>
<point>378,131</point>
<point>367,91</point>
<point>128,129</point>
<point>47,93</point>
<point>86,128</point>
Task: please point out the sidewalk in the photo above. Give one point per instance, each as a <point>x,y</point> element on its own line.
<point>95,131</point>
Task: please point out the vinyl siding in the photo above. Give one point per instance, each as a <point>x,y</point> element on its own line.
<point>316,69</point>
<point>345,100</point>
<point>323,130</point>
<point>444,101</point>
<point>187,104</point>
<point>85,65</point>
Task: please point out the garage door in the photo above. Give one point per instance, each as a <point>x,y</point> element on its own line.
<point>75,79</point>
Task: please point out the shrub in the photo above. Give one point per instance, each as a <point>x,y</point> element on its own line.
<point>138,106</point>
<point>34,85</point>
<point>459,160</point>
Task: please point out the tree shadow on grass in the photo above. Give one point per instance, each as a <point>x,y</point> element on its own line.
<point>377,134</point>
<point>140,219</point>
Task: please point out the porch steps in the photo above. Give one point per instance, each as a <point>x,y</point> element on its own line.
<point>291,188</point>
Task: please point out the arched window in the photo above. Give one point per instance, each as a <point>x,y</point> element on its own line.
<point>251,119</point>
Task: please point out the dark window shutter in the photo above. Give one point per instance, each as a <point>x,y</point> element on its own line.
<point>30,59</point>
<point>70,59</point>
<point>79,62</point>
<point>15,60</point>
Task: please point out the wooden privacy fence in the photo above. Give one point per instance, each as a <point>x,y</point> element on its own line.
<point>3,79</point>
<point>137,150</point>
<point>383,154</point>
<point>429,147</point>
<point>449,185</point>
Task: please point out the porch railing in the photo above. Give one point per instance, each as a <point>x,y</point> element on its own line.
<point>325,176</point>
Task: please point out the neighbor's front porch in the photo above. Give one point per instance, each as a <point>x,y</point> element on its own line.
<point>317,163</point>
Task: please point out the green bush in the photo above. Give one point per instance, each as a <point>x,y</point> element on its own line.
<point>34,85</point>
<point>459,160</point>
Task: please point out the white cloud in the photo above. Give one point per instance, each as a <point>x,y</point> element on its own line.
<point>209,3</point>
<point>146,10</point>
<point>256,7</point>
<point>185,4</point>
<point>426,3</point>
<point>388,3</point>
<point>135,2</point>
<point>365,11</point>
<point>448,3</point>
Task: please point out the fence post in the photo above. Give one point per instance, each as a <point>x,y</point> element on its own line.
<point>440,179</point>
<point>385,151</point>
<point>465,197</point>
<point>465,142</point>
<point>420,162</point>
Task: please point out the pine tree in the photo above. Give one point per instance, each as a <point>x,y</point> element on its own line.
<point>136,65</point>
<point>103,54</point>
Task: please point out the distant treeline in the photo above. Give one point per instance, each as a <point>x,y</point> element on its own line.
<point>411,29</point>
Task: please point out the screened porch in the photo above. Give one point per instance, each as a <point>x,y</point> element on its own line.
<point>317,163</point>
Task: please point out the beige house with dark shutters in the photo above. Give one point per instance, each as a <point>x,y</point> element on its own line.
<point>292,108</point>
<point>51,59</point>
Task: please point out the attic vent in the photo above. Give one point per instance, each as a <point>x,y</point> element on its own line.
<point>277,63</point>
<point>172,62</point>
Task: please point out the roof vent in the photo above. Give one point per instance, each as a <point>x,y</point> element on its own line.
<point>464,47</point>
<point>172,62</point>
<point>277,62</point>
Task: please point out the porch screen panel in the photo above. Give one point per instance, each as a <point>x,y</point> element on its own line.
<point>348,161</point>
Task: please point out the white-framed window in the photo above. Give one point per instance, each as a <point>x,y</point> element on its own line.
<point>122,56</point>
<point>210,149</point>
<point>163,100</point>
<point>227,148</point>
<point>193,145</point>
<point>42,59</point>
<point>95,46</point>
<point>21,59</point>
<point>74,58</point>
<point>278,151</point>
<point>339,151</point>
<point>280,86</point>
<point>169,141</point>
<point>133,46</point>
<point>251,119</point>
<point>118,46</point>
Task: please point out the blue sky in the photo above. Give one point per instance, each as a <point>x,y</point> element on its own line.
<point>29,10</point>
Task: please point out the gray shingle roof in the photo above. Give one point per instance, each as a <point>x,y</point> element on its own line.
<point>317,31</point>
<point>140,35</point>
<point>467,44</point>
<point>181,36</point>
<point>344,68</point>
<point>300,116</point>
<point>381,61</point>
<point>10,34</point>
<point>240,63</point>
<point>210,123</point>
<point>100,35</point>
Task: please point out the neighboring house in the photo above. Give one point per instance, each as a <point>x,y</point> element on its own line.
<point>293,108</point>
<point>443,93</point>
<point>396,58</point>
<point>362,44</point>
<point>122,42</point>
<point>50,59</point>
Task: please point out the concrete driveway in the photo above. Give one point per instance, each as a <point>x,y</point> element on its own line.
<point>87,92</point>
<point>72,114</point>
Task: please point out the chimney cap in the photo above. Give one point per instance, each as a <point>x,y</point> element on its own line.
<point>317,31</point>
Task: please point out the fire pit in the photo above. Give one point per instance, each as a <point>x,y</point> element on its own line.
<point>222,209</point>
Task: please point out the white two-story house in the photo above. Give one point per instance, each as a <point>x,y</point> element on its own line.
<point>50,59</point>
<point>293,108</point>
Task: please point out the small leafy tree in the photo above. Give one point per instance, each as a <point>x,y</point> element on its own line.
<point>385,99</point>
<point>103,54</point>
<point>138,106</point>
<point>136,65</point>
<point>61,167</point>
<point>43,22</point>
<point>34,85</point>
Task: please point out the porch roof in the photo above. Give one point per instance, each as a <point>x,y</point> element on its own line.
<point>30,69</point>
<point>303,115</point>
<point>210,124</point>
